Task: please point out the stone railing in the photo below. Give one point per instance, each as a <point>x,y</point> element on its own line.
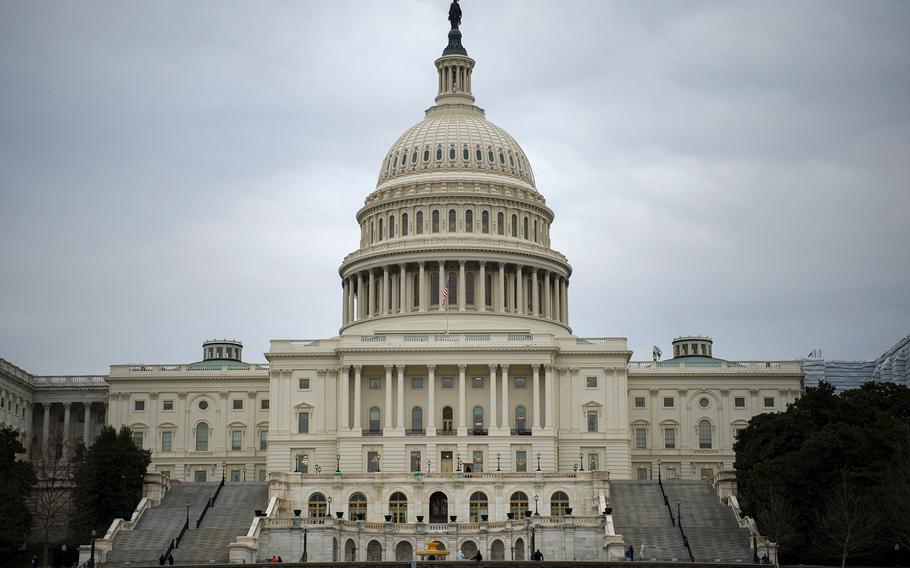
<point>157,369</point>
<point>243,549</point>
<point>70,381</point>
<point>412,340</point>
<point>289,523</point>
<point>717,364</point>
<point>284,477</point>
<point>444,241</point>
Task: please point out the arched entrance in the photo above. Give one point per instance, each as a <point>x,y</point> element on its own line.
<point>469,549</point>
<point>404,552</point>
<point>334,549</point>
<point>374,551</point>
<point>518,551</point>
<point>439,508</point>
<point>497,550</point>
<point>350,551</point>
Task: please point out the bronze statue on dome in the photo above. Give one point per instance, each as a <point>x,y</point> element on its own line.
<point>455,14</point>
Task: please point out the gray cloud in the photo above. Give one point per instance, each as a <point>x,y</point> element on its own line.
<point>174,171</point>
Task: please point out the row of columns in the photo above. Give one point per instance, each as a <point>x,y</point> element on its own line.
<point>549,378</point>
<point>397,294</point>
<point>15,411</point>
<point>87,431</point>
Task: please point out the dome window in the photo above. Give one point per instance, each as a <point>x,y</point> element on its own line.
<point>479,155</point>
<point>395,164</point>
<point>452,220</point>
<point>502,159</point>
<point>511,161</point>
<point>525,228</point>
<point>485,222</point>
<point>418,223</point>
<point>500,223</point>
<point>435,227</point>
<point>426,154</point>
<point>490,156</point>
<point>404,224</point>
<point>414,157</point>
<point>438,154</point>
<point>452,153</point>
<point>515,225</point>
<point>468,221</point>
<point>392,226</point>
<point>465,154</point>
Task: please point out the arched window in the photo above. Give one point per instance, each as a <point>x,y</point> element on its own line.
<point>435,224</point>
<point>357,505</point>
<point>452,153</point>
<point>414,157</point>
<point>526,227</point>
<point>485,222</point>
<point>418,225</point>
<point>469,287</point>
<point>447,418</point>
<point>316,506</point>
<point>202,437</point>
<point>535,230</point>
<point>374,419</point>
<point>438,154</point>
<point>404,224</point>
<point>380,229</point>
<point>502,159</point>
<point>478,155</point>
<point>465,154</point>
<point>452,220</point>
<point>415,291</point>
<point>391,226</point>
<point>559,502</point>
<point>511,160</point>
<point>426,154</point>
<point>477,506</point>
<point>417,418</point>
<point>518,504</point>
<point>398,507</point>
<point>434,288</point>
<point>490,156</point>
<point>477,416</point>
<point>468,221</point>
<point>521,418</point>
<point>500,223</point>
<point>515,225</point>
<point>395,163</point>
<point>704,434</point>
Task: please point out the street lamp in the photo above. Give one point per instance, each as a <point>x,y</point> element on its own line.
<point>318,469</point>
<point>536,499</point>
<point>376,459</point>
<point>678,516</point>
<point>497,461</point>
<point>304,545</point>
<point>538,461</point>
<point>187,513</point>
<point>306,462</point>
<point>91,561</point>
<point>337,463</point>
<point>658,472</point>
<point>458,457</point>
<point>329,499</point>
<point>429,465</point>
<point>223,467</point>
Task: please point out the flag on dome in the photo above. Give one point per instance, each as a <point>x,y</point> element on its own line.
<point>445,295</point>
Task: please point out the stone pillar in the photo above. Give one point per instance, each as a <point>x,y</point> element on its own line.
<point>393,291</point>
<point>513,294</point>
<point>550,402</point>
<point>502,288</point>
<point>535,293</point>
<point>442,279</point>
<point>402,288</point>
<point>87,425</point>
<point>462,369</point>
<point>371,293</point>
<point>387,411</point>
<point>385,290</point>
<point>357,373</point>
<point>564,311</point>
<point>481,306</point>
<point>535,396</point>
<point>360,295</point>
<point>557,299</point>
<point>45,424</point>
<point>431,403</point>
<point>546,295</point>
<point>505,395</point>
<point>351,315</point>
<point>462,293</point>
<point>519,291</point>
<point>493,422</point>
<point>344,302</point>
<point>400,368</point>
<point>344,377</point>
<point>67,407</point>
<point>421,288</point>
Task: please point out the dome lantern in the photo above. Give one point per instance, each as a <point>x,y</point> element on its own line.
<point>455,67</point>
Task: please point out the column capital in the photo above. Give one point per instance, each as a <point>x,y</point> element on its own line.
<point>251,394</point>
<point>66,403</point>
<point>358,368</point>
<point>321,372</point>
<point>462,367</point>
<point>504,367</point>
<point>573,370</point>
<point>461,263</point>
<point>492,367</point>
<point>345,369</point>
<point>388,367</point>
<point>431,367</point>
<point>153,395</point>
<point>483,263</point>
<point>563,370</point>
<point>549,368</point>
<point>400,367</point>
<point>401,265</point>
<point>87,404</point>
<point>181,395</point>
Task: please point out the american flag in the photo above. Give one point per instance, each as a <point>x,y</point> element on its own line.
<point>445,295</point>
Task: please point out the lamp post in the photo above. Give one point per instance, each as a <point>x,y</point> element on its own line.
<point>458,458</point>
<point>658,472</point>
<point>581,461</point>
<point>538,461</point>
<point>244,473</point>
<point>306,463</point>
<point>318,469</point>
<point>429,465</point>
<point>329,500</point>
<point>497,461</point>
<point>536,499</point>
<point>678,515</point>
<point>304,545</point>
<point>337,463</point>
<point>188,513</point>
<point>223,468</point>
<point>574,467</point>
<point>376,459</point>
<point>91,560</point>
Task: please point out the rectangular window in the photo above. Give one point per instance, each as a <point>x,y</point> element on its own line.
<point>236,439</point>
<point>521,461</point>
<point>593,462</point>
<point>303,423</point>
<point>448,382</point>
<point>416,382</point>
<point>641,438</point>
<point>165,472</point>
<point>642,473</point>
<point>591,382</point>
<point>477,459</point>
<point>670,438</point>
<point>262,474</point>
<point>137,439</point>
<point>167,439</point>
<point>237,404</point>
<point>199,476</point>
<point>375,383</point>
<point>303,463</point>
<point>639,402</point>
<point>739,402</point>
<point>263,439</point>
<point>139,405</point>
<point>303,384</point>
<point>477,382</point>
<point>167,405</point>
<point>671,473</point>
<point>737,432</point>
<point>235,475</point>
<point>592,420</point>
<point>769,402</point>
<point>264,404</point>
<point>668,402</point>
<point>521,382</point>
<point>372,461</point>
<point>415,461</point>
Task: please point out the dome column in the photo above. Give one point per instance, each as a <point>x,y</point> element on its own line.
<point>557,309</point>
<point>371,295</point>
<point>421,288</point>
<point>344,301</point>
<point>535,293</point>
<point>402,287</point>
<point>519,291</point>
<point>442,275</point>
<point>483,289</point>
<point>462,293</point>
<point>388,396</point>
<point>360,295</point>
<point>546,295</point>
<point>564,305</point>
<point>501,297</point>
<point>385,291</point>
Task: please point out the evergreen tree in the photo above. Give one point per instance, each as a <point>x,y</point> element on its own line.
<point>108,482</point>
<point>18,478</point>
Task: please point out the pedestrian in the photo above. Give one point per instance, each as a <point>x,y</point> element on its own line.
<point>537,556</point>
<point>274,559</point>
<point>459,555</point>
<point>279,559</point>
<point>478,557</point>
<point>630,554</point>
<point>35,561</point>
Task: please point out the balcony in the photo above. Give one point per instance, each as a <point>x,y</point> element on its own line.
<point>521,432</point>
<point>415,432</point>
<point>377,432</point>
<point>478,432</point>
<point>446,432</point>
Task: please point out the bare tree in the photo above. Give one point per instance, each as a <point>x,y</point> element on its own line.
<point>51,497</point>
<point>847,522</point>
<point>776,518</point>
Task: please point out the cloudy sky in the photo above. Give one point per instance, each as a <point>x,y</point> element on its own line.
<point>177,171</point>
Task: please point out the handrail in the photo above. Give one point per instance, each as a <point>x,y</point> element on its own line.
<point>175,542</point>
<point>666,501</point>
<point>685,538</point>
<point>210,503</point>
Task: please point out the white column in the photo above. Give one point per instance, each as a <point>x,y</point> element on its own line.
<point>546,295</point>
<point>535,293</point>
<point>493,422</point>
<point>505,395</point>
<point>87,425</point>
<point>462,293</point>
<point>535,371</point>
<point>360,295</point>
<point>385,290</point>
<point>400,368</point>
<point>462,368</point>
<point>550,394</point>
<point>67,406</point>
<point>371,293</point>
<point>519,291</point>
<point>351,314</point>
<point>431,403</point>
<point>393,291</point>
<point>402,288</point>
<point>481,305</point>
<point>421,288</point>
<point>564,305</point>
<point>344,377</point>
<point>557,299</point>
<point>502,287</point>
<point>357,371</point>
<point>442,276</point>
<point>344,302</point>
<point>46,424</point>
<point>387,411</point>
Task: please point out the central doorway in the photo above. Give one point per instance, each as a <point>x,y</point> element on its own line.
<point>445,461</point>
<point>439,507</point>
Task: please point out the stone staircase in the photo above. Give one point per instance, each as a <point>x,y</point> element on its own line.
<point>155,529</point>
<point>229,518</point>
<point>714,534</point>
<point>640,516</point>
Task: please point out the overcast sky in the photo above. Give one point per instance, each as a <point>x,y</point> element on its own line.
<point>177,171</point>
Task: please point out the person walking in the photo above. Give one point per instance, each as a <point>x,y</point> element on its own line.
<point>630,554</point>
<point>478,557</point>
